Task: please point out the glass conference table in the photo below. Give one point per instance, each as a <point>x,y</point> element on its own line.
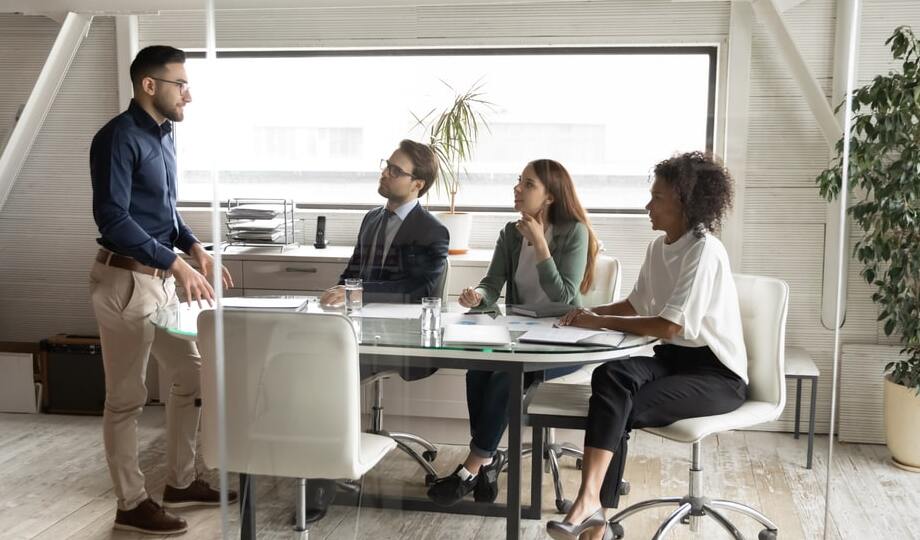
<point>390,343</point>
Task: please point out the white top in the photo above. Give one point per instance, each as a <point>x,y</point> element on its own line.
<point>526,278</point>
<point>690,283</point>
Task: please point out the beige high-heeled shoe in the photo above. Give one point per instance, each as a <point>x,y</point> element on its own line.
<point>563,530</point>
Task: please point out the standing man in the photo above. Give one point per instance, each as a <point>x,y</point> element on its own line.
<point>133,169</point>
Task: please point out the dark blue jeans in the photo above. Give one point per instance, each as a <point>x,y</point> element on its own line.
<point>487,402</point>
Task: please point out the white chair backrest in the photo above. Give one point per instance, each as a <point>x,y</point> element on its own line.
<point>607,279</point>
<point>292,393</point>
<point>764,304</point>
<point>444,284</point>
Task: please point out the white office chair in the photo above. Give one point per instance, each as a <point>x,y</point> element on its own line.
<point>293,405</point>
<point>429,451</point>
<point>604,290</point>
<point>764,304</point>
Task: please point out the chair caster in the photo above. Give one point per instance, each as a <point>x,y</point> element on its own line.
<point>624,487</point>
<point>430,479</point>
<point>563,505</point>
<point>578,464</point>
<point>430,455</point>
<point>767,534</point>
<point>616,529</point>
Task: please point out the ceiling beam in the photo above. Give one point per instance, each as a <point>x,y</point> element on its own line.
<point>66,45</point>
<point>814,96</point>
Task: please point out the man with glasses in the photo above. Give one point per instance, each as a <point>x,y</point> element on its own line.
<point>133,170</point>
<point>401,250</point>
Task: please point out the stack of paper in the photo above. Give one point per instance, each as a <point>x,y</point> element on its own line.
<point>253,211</point>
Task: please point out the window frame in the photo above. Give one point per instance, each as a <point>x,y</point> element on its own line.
<point>711,51</point>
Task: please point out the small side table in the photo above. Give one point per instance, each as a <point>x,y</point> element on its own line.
<point>800,365</point>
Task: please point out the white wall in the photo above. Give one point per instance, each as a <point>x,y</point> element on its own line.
<point>46,230</point>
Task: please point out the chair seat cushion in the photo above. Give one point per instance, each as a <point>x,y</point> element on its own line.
<point>690,430</point>
<point>373,448</point>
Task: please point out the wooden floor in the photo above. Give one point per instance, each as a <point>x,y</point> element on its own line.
<point>54,485</point>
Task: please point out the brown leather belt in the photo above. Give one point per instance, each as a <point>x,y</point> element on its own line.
<point>108,258</point>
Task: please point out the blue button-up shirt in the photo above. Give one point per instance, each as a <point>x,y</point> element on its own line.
<point>133,166</point>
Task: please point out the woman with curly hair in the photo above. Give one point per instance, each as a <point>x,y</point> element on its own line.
<point>685,296</point>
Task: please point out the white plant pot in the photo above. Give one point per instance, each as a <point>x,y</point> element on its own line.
<point>459,225</point>
<point>902,425</point>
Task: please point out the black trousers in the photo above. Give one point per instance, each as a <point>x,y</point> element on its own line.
<point>676,383</point>
<point>487,403</point>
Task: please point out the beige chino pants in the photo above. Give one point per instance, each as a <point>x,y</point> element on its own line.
<point>123,302</point>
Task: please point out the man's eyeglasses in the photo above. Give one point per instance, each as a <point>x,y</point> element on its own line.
<point>183,86</point>
<point>393,170</point>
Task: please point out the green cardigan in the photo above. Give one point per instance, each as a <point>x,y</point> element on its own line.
<point>560,275</point>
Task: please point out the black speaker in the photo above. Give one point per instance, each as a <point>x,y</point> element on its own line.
<point>74,378</point>
<point>320,233</point>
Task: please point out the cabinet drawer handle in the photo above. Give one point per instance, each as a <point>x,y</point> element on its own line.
<point>304,270</point>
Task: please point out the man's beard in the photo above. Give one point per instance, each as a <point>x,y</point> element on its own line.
<point>171,112</point>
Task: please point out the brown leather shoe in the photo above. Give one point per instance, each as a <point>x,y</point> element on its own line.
<point>198,493</point>
<point>149,518</point>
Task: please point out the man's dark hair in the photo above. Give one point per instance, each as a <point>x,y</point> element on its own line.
<point>424,162</point>
<point>703,186</point>
<point>150,61</point>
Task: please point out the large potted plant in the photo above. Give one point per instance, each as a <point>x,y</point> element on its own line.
<point>884,169</point>
<point>452,134</point>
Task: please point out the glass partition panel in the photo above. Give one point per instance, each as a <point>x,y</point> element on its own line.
<point>878,459</point>
<point>365,408</point>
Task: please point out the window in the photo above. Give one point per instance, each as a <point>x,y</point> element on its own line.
<point>313,126</point>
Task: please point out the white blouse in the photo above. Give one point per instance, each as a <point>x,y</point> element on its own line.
<point>690,283</point>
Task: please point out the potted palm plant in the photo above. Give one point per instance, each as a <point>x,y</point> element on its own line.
<point>884,164</point>
<point>452,134</point>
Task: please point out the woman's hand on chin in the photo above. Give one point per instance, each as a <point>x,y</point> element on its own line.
<point>531,228</point>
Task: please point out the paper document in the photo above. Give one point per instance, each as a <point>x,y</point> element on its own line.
<point>474,334</point>
<point>392,311</point>
<point>276,302</point>
<point>519,323</point>
<point>569,335</point>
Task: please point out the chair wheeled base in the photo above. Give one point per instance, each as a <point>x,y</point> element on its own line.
<point>429,452</point>
<point>693,507</point>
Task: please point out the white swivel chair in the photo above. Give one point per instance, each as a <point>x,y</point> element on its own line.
<point>429,451</point>
<point>293,401</point>
<point>604,290</point>
<point>764,304</point>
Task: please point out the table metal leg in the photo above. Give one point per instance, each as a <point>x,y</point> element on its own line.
<point>811,422</point>
<point>247,508</point>
<point>798,405</point>
<point>515,406</point>
<point>536,475</point>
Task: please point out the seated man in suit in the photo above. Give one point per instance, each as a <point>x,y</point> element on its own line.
<point>400,256</point>
<point>401,250</point>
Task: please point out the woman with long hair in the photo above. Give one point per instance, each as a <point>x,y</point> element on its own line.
<point>545,256</point>
<point>685,295</point>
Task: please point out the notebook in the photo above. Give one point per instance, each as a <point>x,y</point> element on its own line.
<point>569,335</point>
<point>548,309</point>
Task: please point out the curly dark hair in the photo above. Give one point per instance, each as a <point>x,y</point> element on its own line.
<point>703,185</point>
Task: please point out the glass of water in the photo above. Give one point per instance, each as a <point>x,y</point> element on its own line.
<point>431,315</point>
<point>354,295</point>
